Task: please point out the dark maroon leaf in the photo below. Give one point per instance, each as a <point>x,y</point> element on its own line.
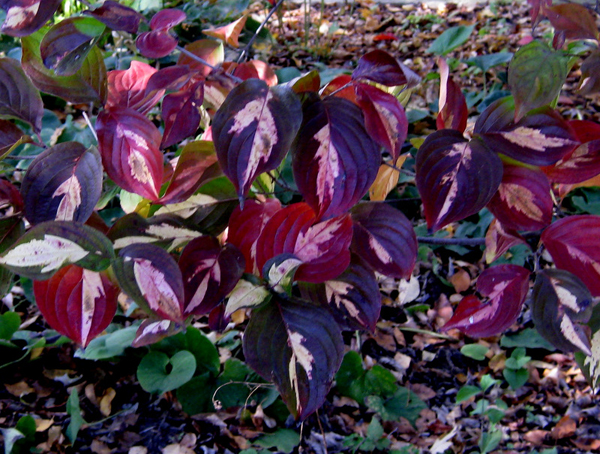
<point>523,200</point>
<point>499,239</point>
<point>572,20</point>
<point>24,17</point>
<point>498,116</point>
<point>572,243</point>
<point>385,118</point>
<point>455,177</point>
<point>323,247</point>
<point>77,303</point>
<point>171,78</point>
<point>10,195</point>
<point>299,347</point>
<point>18,97</point>
<point>506,286</point>
<point>384,238</point>
<point>253,130</point>
<point>379,66</point>
<point>560,302</point>
<point>245,227</point>
<point>335,160</point>
<point>10,137</point>
<point>590,74</point>
<point>129,88</point>
<point>353,296</point>
<point>63,183</point>
<point>210,271</point>
<point>536,7</point>
<point>151,277</point>
<point>117,17</point>
<point>156,44</point>
<point>453,111</point>
<point>181,113</point>
<point>129,146</point>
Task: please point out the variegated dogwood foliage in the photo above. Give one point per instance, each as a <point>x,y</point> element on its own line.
<point>205,234</point>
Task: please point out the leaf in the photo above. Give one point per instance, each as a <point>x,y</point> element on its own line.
<point>209,50</point>
<point>353,296</point>
<point>9,325</point>
<point>10,138</point>
<point>335,161</point>
<point>49,246</point>
<point>573,21</point>
<point>196,165</point>
<point>63,183</point>
<point>455,177</point>
<point>450,39</point>
<point>253,69</point>
<point>486,62</point>
<point>18,97</point>
<point>116,16</point>
<point>342,86</point>
<point>129,145</point>
<point>152,331</point>
<point>379,66</point>
<point>253,130</point>
<point>155,44</point>
<point>24,17</point>
<point>571,242</point>
<point>386,180</point>
<point>77,303</point>
<point>403,404</point>
<point>384,238</point>
<point>499,239</point>
<point>323,247</point>
<point>245,295</point>
<point>74,411</point>
<point>209,273</point>
<point>151,277</point>
<point>154,377</point>
<point>246,225</point>
<point>285,440</point>
<point>297,346</point>
<point>475,351</point>
<point>109,345</point>
<point>127,88</point>
<point>167,18</point>
<point>523,200</point>
<point>466,392</point>
<point>66,45</point>
<point>87,85</point>
<point>181,114</point>
<point>10,195</point>
<point>228,33</point>
<point>535,76</point>
<point>506,286</point>
<point>453,111</point>
<point>590,82</point>
<point>560,300</point>
<point>385,119</point>
<point>536,7</point>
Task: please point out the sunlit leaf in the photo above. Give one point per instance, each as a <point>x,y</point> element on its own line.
<point>158,42</point>
<point>228,33</point>
<point>209,50</point>
<point>453,111</point>
<point>127,88</point>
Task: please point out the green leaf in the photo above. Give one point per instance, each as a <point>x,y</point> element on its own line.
<point>375,430</point>
<point>26,425</point>
<point>109,345</point>
<point>466,392</point>
<point>195,396</point>
<point>488,61</point>
<point>284,440</point>
<point>74,411</point>
<point>349,377</point>
<point>154,377</point>
<point>9,325</point>
<point>518,359</point>
<point>403,404</point>
<point>475,351</point>
<point>529,338</point>
<point>487,381</point>
<point>516,377</point>
<point>490,440</point>
<point>450,39</point>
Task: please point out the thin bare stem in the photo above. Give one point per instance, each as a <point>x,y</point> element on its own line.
<point>452,241</point>
<point>17,158</point>
<point>334,92</point>
<point>89,123</point>
<point>398,169</point>
<point>246,50</point>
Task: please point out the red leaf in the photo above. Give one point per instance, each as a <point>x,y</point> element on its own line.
<point>385,37</point>
<point>335,161</point>
<point>10,195</point>
<point>245,227</point>
<point>77,303</point>
<point>209,50</point>
<point>453,111</point>
<point>181,113</point>
<point>336,86</point>
<point>506,286</point>
<point>523,200</point>
<point>536,6</point>
<point>129,145</point>
<point>228,33</point>
<point>572,20</point>
<point>127,88</point>
<point>253,69</point>
<point>385,118</point>
<point>323,247</point>
<point>573,244</point>
<point>455,177</point>
<point>500,239</point>
<point>384,238</point>
<point>379,66</point>
<point>209,273</point>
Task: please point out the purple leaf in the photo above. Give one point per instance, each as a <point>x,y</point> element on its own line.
<point>24,17</point>
<point>181,113</point>
<point>167,18</point>
<point>18,97</point>
<point>117,17</point>
<point>156,44</point>
<point>379,66</point>
<point>11,137</point>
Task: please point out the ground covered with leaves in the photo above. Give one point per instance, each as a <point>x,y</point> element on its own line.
<point>408,388</point>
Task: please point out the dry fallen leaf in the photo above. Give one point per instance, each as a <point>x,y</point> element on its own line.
<point>564,428</point>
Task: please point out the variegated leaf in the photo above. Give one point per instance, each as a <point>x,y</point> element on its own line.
<point>506,286</point>
<point>49,246</point>
<point>560,301</point>
<point>384,238</point>
<point>209,272</point>
<point>590,365</point>
<point>523,200</point>
<point>18,97</point>
<point>152,331</point>
<point>253,130</point>
<point>453,111</point>
<point>63,183</point>
<point>335,160</point>
<point>455,177</point>
<point>246,295</point>
<point>76,302</point>
<point>151,277</point>
<point>24,17</point>
<point>299,347</point>
<point>572,243</point>
<point>499,239</point>
<point>129,145</point>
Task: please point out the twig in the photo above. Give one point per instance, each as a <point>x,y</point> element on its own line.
<point>429,333</point>
<point>89,123</point>
<point>398,169</point>
<point>452,241</point>
<point>195,57</point>
<point>334,92</point>
<point>258,30</point>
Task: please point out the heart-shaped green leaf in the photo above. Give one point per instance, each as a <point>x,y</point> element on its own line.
<point>157,373</point>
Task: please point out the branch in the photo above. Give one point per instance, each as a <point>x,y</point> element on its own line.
<point>452,241</point>
<point>258,30</point>
<point>205,63</point>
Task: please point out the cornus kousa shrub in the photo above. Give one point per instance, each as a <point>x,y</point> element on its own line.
<point>195,149</point>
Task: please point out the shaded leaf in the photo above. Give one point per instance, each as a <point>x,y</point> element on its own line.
<point>379,66</point>
<point>450,39</point>
<point>11,137</point>
<point>299,347</point>
<point>499,239</point>
<point>24,17</point>
<point>453,111</point>
<point>572,20</point>
<point>18,97</point>
<point>590,70</point>
<point>181,114</point>
<point>157,373</point>
<point>10,195</point>
<point>228,33</point>
<point>77,303</point>
<point>63,183</point>
<point>335,161</point>
<point>116,16</point>
<point>152,331</point>
<point>455,177</point>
